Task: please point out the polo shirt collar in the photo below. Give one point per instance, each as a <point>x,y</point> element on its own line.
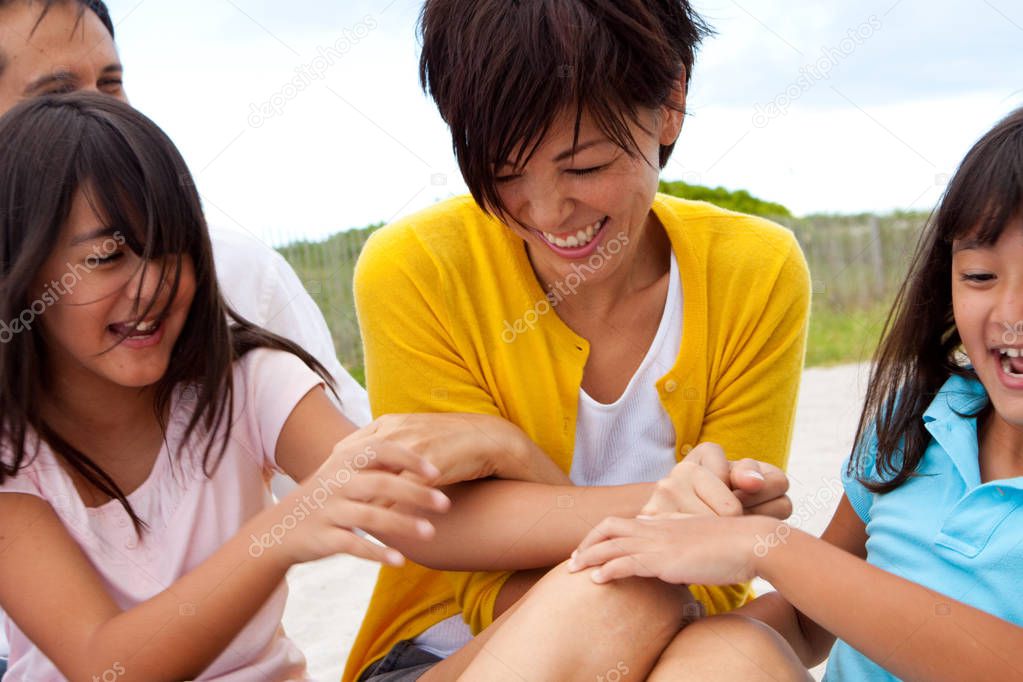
<point>957,435</point>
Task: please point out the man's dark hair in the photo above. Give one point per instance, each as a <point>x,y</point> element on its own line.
<point>97,7</point>
<point>501,71</point>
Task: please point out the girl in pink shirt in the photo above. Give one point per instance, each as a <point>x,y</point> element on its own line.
<point>142,419</point>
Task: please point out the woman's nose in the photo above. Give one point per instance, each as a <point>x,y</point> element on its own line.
<point>548,211</point>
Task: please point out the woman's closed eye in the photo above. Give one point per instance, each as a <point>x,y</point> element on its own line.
<point>977,277</point>
<point>587,171</point>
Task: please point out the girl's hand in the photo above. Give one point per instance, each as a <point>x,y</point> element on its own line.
<point>355,489</point>
<point>699,550</point>
<point>467,447</point>
<point>706,482</point>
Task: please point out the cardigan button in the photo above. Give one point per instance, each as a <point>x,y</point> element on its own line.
<point>671,386</point>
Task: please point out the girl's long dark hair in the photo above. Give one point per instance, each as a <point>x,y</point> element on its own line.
<point>51,148</point>
<point>920,342</point>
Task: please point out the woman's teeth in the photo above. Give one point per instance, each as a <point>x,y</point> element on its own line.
<point>580,238</point>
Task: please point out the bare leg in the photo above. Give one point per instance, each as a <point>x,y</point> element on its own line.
<point>729,647</point>
<point>569,628</point>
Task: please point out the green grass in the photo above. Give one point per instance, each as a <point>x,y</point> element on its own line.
<point>840,336</point>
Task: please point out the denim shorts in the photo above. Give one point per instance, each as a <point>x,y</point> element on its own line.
<point>404,663</point>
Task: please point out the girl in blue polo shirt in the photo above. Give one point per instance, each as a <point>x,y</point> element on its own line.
<point>920,574</point>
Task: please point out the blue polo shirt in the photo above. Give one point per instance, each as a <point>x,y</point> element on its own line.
<point>943,528</point>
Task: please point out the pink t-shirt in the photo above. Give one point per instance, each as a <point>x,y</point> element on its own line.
<point>189,516</point>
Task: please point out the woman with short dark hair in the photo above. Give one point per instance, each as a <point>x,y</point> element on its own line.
<point>616,326</point>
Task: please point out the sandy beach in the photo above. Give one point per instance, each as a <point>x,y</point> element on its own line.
<point>329,597</point>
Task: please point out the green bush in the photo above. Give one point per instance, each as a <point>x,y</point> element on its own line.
<point>738,200</point>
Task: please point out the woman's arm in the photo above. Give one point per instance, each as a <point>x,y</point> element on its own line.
<point>513,525</point>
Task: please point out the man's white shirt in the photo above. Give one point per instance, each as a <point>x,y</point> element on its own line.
<point>263,288</point>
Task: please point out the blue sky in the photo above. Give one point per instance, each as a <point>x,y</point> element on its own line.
<point>831,107</point>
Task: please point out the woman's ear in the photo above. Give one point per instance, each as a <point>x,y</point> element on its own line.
<point>674,111</point>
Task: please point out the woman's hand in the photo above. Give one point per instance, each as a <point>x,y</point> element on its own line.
<point>368,484</point>
<point>698,550</point>
<point>467,447</point>
<point>706,482</point>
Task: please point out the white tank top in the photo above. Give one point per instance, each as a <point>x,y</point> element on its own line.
<point>632,440</point>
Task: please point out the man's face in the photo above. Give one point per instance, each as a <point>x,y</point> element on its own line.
<point>64,53</point>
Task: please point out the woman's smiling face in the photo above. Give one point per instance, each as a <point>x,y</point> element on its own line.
<point>567,203</point>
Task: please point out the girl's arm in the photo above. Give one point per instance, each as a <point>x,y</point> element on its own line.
<point>51,590</point>
<point>55,595</point>
<point>810,641</point>
<point>912,631</point>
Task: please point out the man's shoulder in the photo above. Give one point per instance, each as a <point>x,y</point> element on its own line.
<point>242,246</point>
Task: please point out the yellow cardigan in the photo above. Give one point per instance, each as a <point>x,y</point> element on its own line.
<point>454,320</point>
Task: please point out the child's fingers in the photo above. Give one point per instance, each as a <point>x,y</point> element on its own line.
<point>378,521</point>
<point>395,458</point>
<point>607,529</point>
<point>620,568</point>
<point>385,489</point>
<point>353,545</point>
<point>602,552</point>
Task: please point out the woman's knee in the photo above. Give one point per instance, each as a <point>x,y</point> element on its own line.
<point>631,599</point>
<point>568,627</point>
<point>626,609</point>
<point>729,647</point>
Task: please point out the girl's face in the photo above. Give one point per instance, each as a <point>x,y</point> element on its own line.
<point>91,292</point>
<point>569,208</point>
<point>987,300</point>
